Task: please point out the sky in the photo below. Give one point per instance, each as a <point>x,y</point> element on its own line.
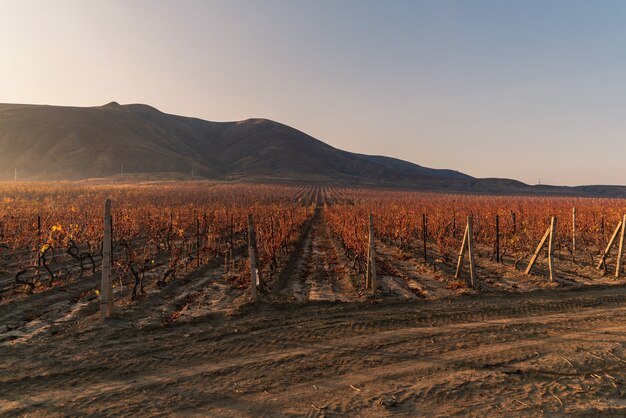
<point>530,90</point>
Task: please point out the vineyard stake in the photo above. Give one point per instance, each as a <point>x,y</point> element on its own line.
<point>551,247</point>
<point>468,243</point>
<point>607,250</point>
<point>573,230</point>
<point>371,257</point>
<point>169,232</point>
<point>454,225</point>
<point>106,287</point>
<point>536,254</point>
<point>470,250</point>
<point>38,240</point>
<point>251,239</point>
<point>514,222</point>
<point>232,232</point>
<point>197,242</point>
<point>497,239</point>
<point>231,264</point>
<point>424,235</point>
<point>459,263</point>
<point>618,265</point>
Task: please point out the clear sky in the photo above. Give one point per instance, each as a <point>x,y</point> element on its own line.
<point>532,90</point>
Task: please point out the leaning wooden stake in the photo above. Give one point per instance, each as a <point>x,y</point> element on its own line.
<point>618,265</point>
<point>468,243</point>
<point>371,268</point>
<point>251,252</point>
<point>607,250</point>
<point>106,285</point>
<point>536,254</point>
<point>459,263</point>
<point>551,247</point>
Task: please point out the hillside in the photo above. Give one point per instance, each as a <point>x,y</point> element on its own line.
<point>73,143</point>
<point>78,143</point>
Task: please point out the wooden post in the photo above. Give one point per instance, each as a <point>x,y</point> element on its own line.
<point>272,243</point>
<point>424,236</point>
<point>38,240</point>
<point>573,230</point>
<point>252,255</point>
<point>453,225</point>
<point>169,232</point>
<point>470,250</point>
<point>197,241</point>
<point>551,247</point>
<point>607,250</point>
<point>468,242</point>
<point>106,286</point>
<point>232,231</point>
<point>497,239</point>
<point>231,262</point>
<point>368,269</point>
<point>372,256</point>
<point>618,265</point>
<point>536,254</point>
<point>459,264</point>
<point>514,222</point>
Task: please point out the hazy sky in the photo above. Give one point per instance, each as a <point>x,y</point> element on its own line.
<point>532,90</point>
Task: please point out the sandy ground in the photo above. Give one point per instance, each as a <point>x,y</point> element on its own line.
<point>550,352</point>
<point>318,344</point>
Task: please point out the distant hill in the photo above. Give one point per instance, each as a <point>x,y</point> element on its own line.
<point>76,143</point>
<point>72,143</point>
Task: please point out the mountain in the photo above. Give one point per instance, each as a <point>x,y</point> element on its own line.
<point>73,143</point>
<point>76,143</point>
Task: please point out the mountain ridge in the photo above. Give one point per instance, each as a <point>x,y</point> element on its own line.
<point>112,135</point>
<point>47,142</point>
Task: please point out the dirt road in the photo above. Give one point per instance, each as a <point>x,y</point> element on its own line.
<point>318,270</point>
<point>551,352</point>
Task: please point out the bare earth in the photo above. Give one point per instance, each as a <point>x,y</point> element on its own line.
<point>319,345</point>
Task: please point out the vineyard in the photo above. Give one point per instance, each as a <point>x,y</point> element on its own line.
<point>260,299</point>
<point>51,235</point>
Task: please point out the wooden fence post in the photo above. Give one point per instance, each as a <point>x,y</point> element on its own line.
<point>551,247</point>
<point>618,265</point>
<point>251,252</point>
<point>372,256</point>
<point>106,285</point>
